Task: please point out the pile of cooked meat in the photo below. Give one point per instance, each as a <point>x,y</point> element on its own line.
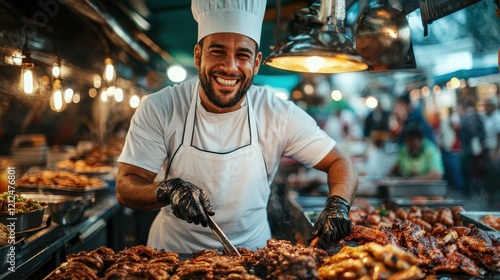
<point>390,245</point>
<point>371,261</point>
<point>280,259</point>
<point>453,249</point>
<point>425,217</point>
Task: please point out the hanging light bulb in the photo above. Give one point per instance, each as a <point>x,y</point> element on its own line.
<point>27,73</point>
<point>118,95</point>
<point>57,103</point>
<point>56,71</point>
<point>68,95</point>
<point>109,72</point>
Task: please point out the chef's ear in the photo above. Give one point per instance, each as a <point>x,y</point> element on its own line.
<point>258,60</point>
<point>197,55</point>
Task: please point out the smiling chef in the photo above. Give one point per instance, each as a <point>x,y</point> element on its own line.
<point>220,140</point>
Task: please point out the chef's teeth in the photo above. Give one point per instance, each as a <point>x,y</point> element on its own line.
<point>226,82</point>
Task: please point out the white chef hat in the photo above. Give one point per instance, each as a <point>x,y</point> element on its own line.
<point>234,16</point>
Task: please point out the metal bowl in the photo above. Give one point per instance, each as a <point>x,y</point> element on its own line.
<point>64,209</point>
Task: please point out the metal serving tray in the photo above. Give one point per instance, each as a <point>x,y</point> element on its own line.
<point>474,217</point>
<point>395,203</point>
<point>411,188</point>
<point>24,221</point>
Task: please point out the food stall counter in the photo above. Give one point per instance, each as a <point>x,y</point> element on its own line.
<point>39,252</point>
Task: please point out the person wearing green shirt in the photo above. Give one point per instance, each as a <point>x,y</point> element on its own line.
<point>418,158</point>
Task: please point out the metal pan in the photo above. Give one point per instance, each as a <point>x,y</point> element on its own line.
<point>24,221</point>
<point>64,209</point>
<point>475,217</point>
<point>396,203</point>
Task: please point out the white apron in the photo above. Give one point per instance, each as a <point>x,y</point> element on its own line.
<point>236,184</point>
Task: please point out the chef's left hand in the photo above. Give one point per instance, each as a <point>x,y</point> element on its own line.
<point>333,222</point>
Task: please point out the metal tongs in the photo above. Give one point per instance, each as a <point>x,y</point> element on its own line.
<point>222,237</point>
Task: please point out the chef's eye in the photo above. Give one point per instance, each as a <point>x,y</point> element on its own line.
<point>216,52</point>
<point>244,56</point>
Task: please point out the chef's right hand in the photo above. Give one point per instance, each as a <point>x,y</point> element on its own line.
<point>188,202</point>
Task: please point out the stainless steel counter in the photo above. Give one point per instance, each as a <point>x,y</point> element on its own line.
<point>42,251</point>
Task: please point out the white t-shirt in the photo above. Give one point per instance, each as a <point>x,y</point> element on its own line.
<point>492,128</point>
<point>285,130</point>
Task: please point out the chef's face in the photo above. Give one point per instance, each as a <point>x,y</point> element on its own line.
<point>227,63</point>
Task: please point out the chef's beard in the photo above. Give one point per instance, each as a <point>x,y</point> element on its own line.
<point>212,96</point>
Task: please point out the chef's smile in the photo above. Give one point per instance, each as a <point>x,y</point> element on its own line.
<point>226,82</point>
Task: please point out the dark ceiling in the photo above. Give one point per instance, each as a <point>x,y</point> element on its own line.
<point>146,36</point>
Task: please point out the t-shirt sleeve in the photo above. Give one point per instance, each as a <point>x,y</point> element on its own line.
<point>145,145</point>
<point>306,142</point>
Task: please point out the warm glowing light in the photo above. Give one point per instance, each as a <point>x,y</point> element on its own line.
<point>109,72</point>
<point>371,102</point>
<point>17,60</point>
<point>104,96</point>
<point>56,70</point>
<point>92,92</point>
<point>308,89</point>
<point>97,81</point>
<point>176,73</point>
<point>425,91</point>
<point>436,89</point>
<point>68,95</point>
<point>111,91</point>
<point>454,83</point>
<point>414,94</point>
<point>336,95</point>
<point>76,98</point>
<point>314,63</point>
<point>134,101</point>
<point>57,103</point>
<point>28,81</point>
<point>296,94</point>
<point>118,95</point>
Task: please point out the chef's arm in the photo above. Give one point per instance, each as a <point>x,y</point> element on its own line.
<point>136,189</point>
<point>342,176</point>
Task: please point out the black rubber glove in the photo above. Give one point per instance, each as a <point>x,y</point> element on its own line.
<point>333,222</point>
<point>188,202</point>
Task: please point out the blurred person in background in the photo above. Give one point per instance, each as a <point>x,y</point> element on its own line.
<point>472,155</point>
<point>491,120</point>
<point>376,124</point>
<point>418,158</point>
<point>408,114</point>
<point>377,133</point>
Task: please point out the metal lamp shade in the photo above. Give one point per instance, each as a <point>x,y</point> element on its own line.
<point>320,51</point>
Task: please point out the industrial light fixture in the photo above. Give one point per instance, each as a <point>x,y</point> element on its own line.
<point>27,71</point>
<point>321,50</point>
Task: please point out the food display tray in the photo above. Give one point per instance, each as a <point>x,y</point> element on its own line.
<point>87,192</point>
<point>24,221</point>
<point>395,203</point>
<point>474,217</point>
<point>412,188</point>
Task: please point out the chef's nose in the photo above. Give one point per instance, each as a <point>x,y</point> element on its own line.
<point>229,64</point>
